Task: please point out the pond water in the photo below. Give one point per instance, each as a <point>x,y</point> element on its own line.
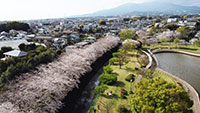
<point>184,66</point>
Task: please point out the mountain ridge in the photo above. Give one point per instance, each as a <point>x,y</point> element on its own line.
<point>131,9</point>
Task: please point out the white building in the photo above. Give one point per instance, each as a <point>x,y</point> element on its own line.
<point>171,20</point>
<point>15,53</point>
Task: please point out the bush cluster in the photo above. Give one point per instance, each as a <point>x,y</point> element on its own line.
<point>101,89</point>
<point>28,47</point>
<point>113,60</point>
<point>109,79</point>
<point>107,69</point>
<point>3,50</point>
<point>130,77</point>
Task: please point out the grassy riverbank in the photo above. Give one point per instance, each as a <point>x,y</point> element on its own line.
<point>186,48</point>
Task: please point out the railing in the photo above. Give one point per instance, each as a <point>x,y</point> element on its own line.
<point>92,109</point>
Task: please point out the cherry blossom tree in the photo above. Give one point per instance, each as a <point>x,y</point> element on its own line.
<point>44,89</point>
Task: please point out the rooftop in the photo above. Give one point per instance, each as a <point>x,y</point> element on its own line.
<point>15,53</point>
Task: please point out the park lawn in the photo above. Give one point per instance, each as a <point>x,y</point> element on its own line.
<point>114,100</point>
<point>186,48</point>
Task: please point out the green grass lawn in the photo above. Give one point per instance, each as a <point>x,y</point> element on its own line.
<point>114,100</point>
<point>186,48</point>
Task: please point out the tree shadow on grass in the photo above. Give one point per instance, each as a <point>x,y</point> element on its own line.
<point>130,69</point>
<point>119,84</point>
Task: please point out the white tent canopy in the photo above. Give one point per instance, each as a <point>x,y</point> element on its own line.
<point>15,53</point>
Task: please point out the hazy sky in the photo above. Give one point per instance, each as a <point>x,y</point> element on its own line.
<point>38,9</point>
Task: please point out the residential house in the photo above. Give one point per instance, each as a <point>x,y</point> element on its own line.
<point>74,38</point>
<point>171,20</point>
<point>3,33</point>
<point>91,39</point>
<point>4,38</point>
<point>59,43</point>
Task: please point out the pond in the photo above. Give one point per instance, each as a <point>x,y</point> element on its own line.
<point>184,66</point>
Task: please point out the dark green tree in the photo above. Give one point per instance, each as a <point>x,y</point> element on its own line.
<point>22,47</point>
<point>6,49</point>
<point>101,89</point>
<point>109,79</point>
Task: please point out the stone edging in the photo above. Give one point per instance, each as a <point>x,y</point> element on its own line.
<point>174,51</point>
<point>188,88</point>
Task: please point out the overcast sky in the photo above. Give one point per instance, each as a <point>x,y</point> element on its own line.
<point>40,9</point>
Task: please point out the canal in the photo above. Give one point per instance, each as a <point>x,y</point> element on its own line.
<point>183,66</point>
<point>86,98</point>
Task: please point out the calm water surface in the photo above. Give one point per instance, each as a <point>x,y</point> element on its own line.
<point>184,66</point>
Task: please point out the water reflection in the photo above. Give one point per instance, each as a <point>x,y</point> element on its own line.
<point>184,66</point>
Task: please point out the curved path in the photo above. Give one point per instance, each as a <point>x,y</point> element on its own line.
<point>150,59</point>
<point>188,88</point>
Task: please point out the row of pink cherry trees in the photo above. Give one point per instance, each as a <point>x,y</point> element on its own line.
<point>43,89</point>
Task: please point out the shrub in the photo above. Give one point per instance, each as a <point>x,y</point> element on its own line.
<point>102,22</point>
<point>130,77</point>
<point>22,47</point>
<point>107,69</point>
<point>122,109</point>
<point>112,61</point>
<point>116,54</point>
<point>130,92</point>
<point>165,40</point>
<point>6,49</point>
<point>101,89</point>
<point>1,54</point>
<point>194,49</point>
<point>30,47</point>
<point>108,79</point>
<point>136,68</point>
<point>124,93</point>
<point>58,52</point>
